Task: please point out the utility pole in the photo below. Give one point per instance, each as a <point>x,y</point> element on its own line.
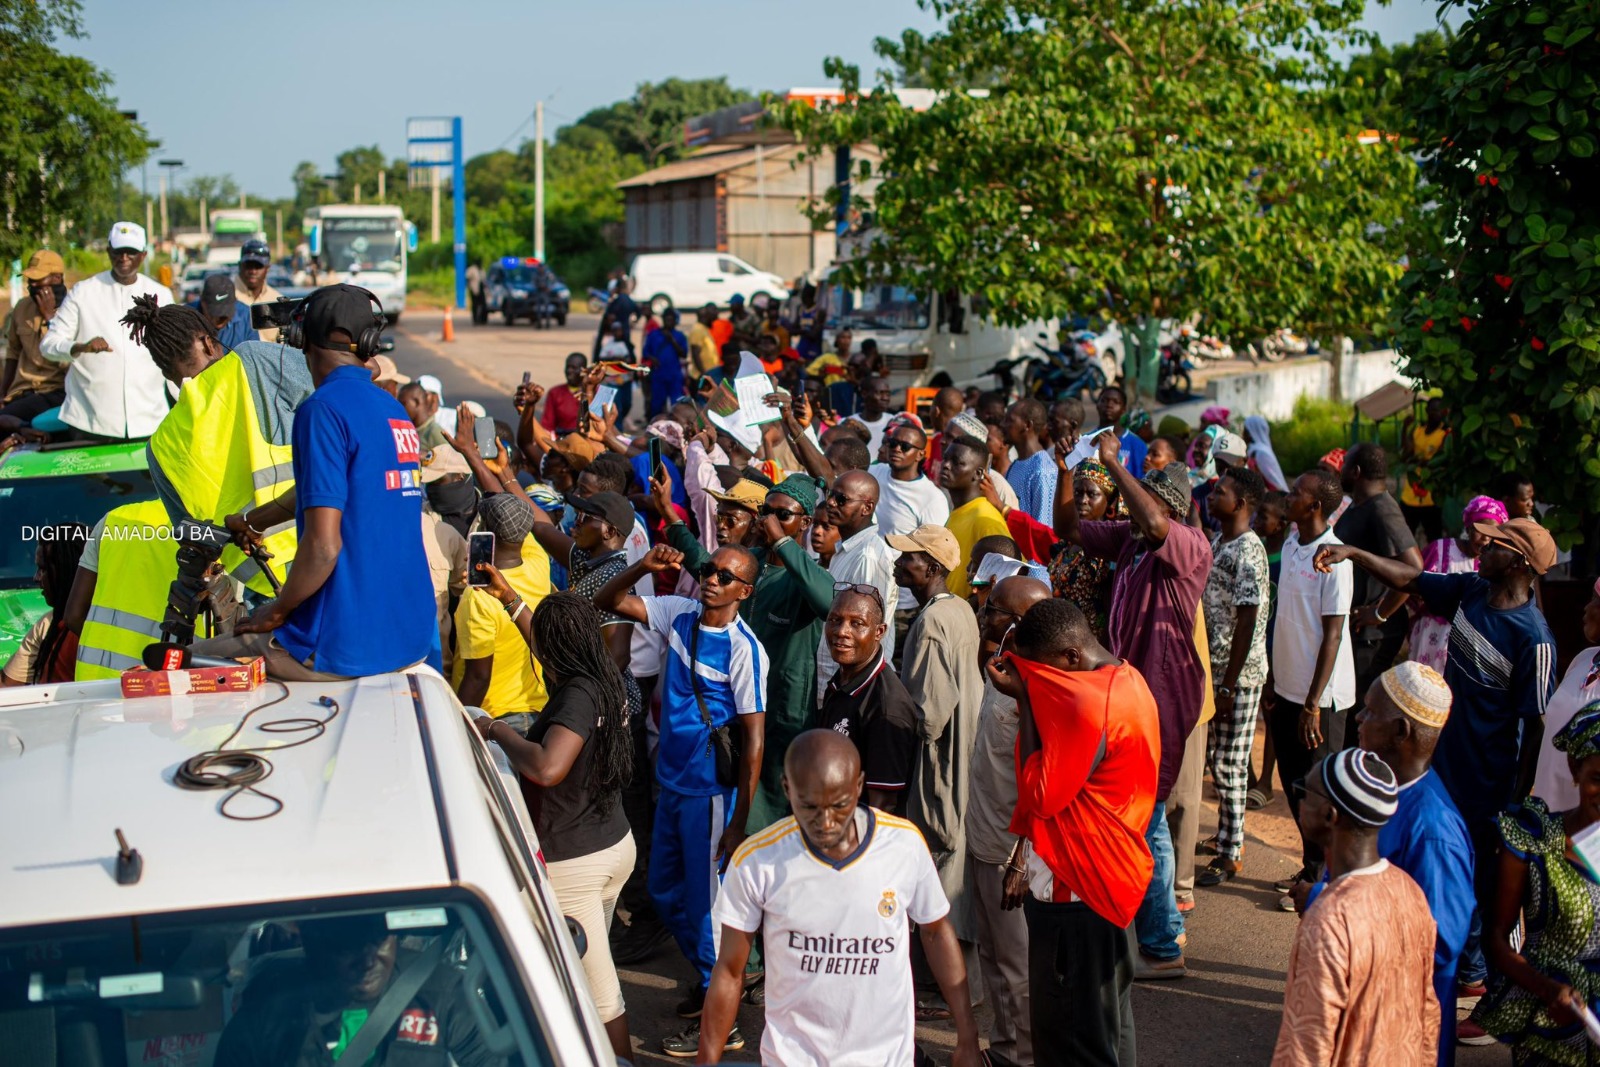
<point>538,181</point>
<point>358,192</point>
<point>163,205</point>
<point>205,218</point>
<point>278,248</point>
<point>381,177</point>
<point>433,228</point>
<point>149,227</point>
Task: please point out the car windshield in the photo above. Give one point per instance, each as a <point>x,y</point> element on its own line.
<point>26,504</point>
<point>879,307</point>
<point>279,984</point>
<point>529,276</point>
<point>362,244</point>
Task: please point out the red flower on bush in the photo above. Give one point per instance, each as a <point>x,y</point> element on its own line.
<point>1467,324</point>
<point>1538,345</point>
<point>1503,280</point>
<point>1427,325</point>
<point>1490,231</point>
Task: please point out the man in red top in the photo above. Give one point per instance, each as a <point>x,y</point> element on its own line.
<point>562,405</point>
<point>1088,754</point>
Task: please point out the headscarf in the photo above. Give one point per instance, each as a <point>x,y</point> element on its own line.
<point>669,431</point>
<point>1136,420</point>
<point>1261,453</point>
<point>1483,509</point>
<point>1215,416</point>
<point>1172,426</point>
<point>1203,467</point>
<point>1333,458</point>
<point>802,488</point>
<point>1580,738</point>
<point>1079,577</point>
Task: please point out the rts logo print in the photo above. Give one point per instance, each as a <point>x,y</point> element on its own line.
<point>407,445</point>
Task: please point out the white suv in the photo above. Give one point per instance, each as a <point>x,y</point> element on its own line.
<point>691,280</point>
<point>395,908</point>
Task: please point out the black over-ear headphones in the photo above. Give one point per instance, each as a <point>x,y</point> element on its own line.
<point>369,344</point>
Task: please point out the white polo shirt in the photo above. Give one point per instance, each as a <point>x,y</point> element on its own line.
<point>903,506</point>
<point>1305,595</point>
<point>837,941</point>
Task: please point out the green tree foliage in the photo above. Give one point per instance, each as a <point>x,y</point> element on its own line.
<point>1377,80</point>
<point>1499,309</point>
<point>63,141</point>
<point>1170,155</point>
<point>649,124</point>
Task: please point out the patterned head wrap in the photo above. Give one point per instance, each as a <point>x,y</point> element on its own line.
<point>1136,420</point>
<point>1580,738</point>
<point>1334,458</point>
<point>1484,509</point>
<point>1215,416</point>
<point>1098,474</point>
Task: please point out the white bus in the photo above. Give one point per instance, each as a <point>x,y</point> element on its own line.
<point>365,245</point>
<point>231,227</point>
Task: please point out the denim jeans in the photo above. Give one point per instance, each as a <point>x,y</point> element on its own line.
<point>1159,921</point>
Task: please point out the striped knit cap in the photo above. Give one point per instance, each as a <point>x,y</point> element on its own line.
<point>1361,786</point>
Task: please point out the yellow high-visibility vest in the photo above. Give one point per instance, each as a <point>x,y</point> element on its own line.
<point>138,562</point>
<point>211,449</point>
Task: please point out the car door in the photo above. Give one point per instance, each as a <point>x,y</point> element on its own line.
<point>735,278</point>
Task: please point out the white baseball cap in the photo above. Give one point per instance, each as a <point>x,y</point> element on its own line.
<point>127,235</point>
<point>430,384</point>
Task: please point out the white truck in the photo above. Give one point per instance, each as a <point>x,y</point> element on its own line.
<point>231,227</point>
<point>365,245</point>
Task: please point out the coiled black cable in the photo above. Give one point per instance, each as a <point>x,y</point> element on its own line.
<point>242,770</point>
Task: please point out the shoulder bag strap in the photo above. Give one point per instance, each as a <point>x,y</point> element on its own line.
<point>694,676</point>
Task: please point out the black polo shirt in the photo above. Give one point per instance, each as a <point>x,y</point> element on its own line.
<point>879,716</point>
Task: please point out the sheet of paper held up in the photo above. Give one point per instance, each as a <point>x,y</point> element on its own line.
<point>995,567</point>
<point>606,394</point>
<point>1086,448</point>
<point>750,388</point>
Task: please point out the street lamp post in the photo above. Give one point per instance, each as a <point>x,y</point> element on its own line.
<point>170,168</point>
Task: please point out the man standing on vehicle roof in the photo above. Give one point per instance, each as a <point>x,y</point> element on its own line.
<point>357,482</point>
<point>252,287</point>
<point>113,388</point>
<point>228,318</point>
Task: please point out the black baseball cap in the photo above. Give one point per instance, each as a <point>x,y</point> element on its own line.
<point>256,251</point>
<point>216,296</point>
<point>612,507</point>
<point>338,307</point>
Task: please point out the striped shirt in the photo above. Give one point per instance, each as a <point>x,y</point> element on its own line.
<point>731,667</point>
<point>1501,670</point>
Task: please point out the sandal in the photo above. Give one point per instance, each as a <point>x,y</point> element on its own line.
<point>932,1010</point>
<point>1256,799</point>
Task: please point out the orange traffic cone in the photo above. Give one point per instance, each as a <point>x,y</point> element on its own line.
<point>449,326</point>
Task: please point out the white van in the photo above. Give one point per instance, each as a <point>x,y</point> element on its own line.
<point>400,877</point>
<point>689,280</point>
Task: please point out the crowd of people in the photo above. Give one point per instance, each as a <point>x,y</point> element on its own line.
<point>961,672</point>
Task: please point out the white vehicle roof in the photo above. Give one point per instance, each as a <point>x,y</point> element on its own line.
<point>363,808</point>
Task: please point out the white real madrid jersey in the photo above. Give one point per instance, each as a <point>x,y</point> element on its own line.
<point>837,938</point>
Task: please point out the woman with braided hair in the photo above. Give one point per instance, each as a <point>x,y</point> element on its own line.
<point>573,764</point>
<point>179,339</point>
<point>49,650</point>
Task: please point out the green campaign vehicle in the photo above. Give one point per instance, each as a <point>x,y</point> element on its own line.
<point>50,485</point>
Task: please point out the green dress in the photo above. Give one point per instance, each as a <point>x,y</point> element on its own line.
<point>1559,904</point>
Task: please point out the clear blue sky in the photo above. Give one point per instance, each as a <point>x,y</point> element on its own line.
<point>251,90</point>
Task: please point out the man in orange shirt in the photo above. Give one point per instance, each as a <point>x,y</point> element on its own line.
<point>1088,757</point>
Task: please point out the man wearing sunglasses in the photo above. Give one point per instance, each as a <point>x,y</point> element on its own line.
<point>114,389</point>
<point>715,677</point>
<point>907,499</point>
<point>791,599</point>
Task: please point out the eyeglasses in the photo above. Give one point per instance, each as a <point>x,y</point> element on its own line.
<point>1300,788</point>
<point>902,446</point>
<point>991,608</point>
<point>125,253</point>
<point>854,587</point>
<point>783,514</point>
<point>708,570</point>
<point>839,500</point>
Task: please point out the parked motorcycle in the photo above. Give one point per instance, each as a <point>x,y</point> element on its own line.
<point>1280,344</point>
<point>1173,383</point>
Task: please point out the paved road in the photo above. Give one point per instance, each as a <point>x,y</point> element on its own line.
<point>1226,1012</point>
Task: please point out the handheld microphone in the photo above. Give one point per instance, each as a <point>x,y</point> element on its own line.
<point>171,656</point>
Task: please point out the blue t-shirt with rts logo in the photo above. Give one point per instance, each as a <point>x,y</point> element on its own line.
<point>356,450</point>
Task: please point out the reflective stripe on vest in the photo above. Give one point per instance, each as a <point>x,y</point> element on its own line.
<point>211,449</point>
<point>138,561</point>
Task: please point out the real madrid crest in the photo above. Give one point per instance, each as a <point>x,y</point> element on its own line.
<point>886,905</point>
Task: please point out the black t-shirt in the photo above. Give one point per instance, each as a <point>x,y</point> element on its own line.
<point>1375,525</point>
<point>566,817</point>
<point>878,715</point>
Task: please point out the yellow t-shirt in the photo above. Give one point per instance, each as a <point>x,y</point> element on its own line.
<point>1424,446</point>
<point>483,630</point>
<point>971,523</point>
